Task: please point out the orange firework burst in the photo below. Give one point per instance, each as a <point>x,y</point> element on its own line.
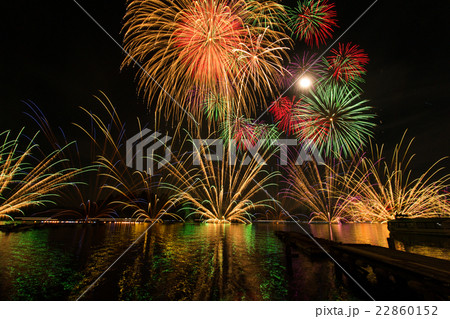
<point>205,36</point>
<point>201,46</point>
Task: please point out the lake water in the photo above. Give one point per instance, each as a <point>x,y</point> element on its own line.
<point>179,262</point>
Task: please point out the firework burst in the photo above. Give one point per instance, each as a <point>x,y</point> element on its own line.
<point>320,188</point>
<point>24,184</point>
<point>201,45</point>
<point>246,132</point>
<point>260,66</point>
<point>206,34</point>
<point>282,110</point>
<point>383,190</point>
<point>85,198</point>
<point>215,107</point>
<point>106,186</point>
<point>335,120</point>
<point>224,191</point>
<point>139,193</point>
<point>312,21</point>
<point>346,65</point>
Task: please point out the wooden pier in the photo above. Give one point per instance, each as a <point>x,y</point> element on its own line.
<point>388,274</point>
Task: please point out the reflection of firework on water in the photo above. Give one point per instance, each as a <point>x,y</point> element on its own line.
<point>221,191</point>
<point>335,119</point>
<point>191,45</point>
<point>247,132</point>
<point>25,183</point>
<point>312,21</point>
<point>303,65</point>
<point>320,189</point>
<point>283,112</point>
<point>345,65</point>
<point>384,190</point>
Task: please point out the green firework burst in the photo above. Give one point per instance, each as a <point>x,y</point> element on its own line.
<point>335,119</point>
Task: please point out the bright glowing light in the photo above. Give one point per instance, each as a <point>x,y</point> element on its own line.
<point>305,82</point>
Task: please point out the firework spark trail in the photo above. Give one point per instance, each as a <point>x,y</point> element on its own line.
<point>345,66</point>
<point>215,107</point>
<point>283,112</point>
<point>223,193</point>
<point>240,129</point>
<point>322,189</point>
<point>107,183</point>
<point>137,192</point>
<point>260,65</point>
<point>23,184</point>
<point>320,56</point>
<point>246,133</point>
<point>347,62</point>
<point>81,199</point>
<point>383,190</point>
<point>105,137</point>
<point>136,62</point>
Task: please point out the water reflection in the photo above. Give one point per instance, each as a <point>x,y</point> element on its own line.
<point>29,270</point>
<point>428,245</point>
<point>171,262</point>
<point>378,235</point>
<point>372,234</point>
<point>202,262</point>
<point>179,262</point>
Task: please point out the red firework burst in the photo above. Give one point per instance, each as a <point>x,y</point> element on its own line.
<point>282,110</point>
<point>247,132</point>
<point>240,129</point>
<point>313,21</point>
<point>206,35</point>
<point>347,62</point>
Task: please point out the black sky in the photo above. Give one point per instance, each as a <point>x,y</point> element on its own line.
<point>54,55</point>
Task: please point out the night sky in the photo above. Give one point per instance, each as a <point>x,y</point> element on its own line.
<point>55,56</point>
